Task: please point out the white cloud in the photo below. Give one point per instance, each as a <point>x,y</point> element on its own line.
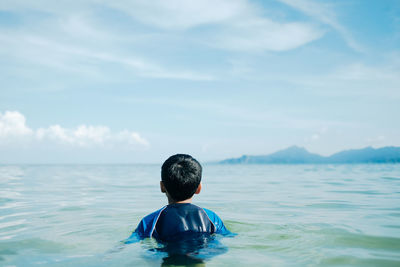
<point>13,124</point>
<point>131,138</point>
<point>315,137</point>
<point>378,139</point>
<point>82,136</point>
<point>54,132</point>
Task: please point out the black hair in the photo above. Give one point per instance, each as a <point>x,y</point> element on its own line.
<point>181,175</point>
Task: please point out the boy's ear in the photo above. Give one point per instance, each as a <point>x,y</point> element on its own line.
<point>198,189</point>
<point>162,187</point>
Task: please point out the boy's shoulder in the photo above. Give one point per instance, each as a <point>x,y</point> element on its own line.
<point>217,222</point>
<point>151,216</point>
<point>148,223</point>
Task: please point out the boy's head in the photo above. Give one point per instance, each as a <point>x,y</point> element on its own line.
<point>181,176</point>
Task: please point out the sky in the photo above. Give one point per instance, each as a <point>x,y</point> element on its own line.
<point>136,81</point>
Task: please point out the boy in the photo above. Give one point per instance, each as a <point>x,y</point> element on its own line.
<point>180,180</point>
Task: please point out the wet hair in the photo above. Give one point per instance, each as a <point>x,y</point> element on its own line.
<point>181,175</point>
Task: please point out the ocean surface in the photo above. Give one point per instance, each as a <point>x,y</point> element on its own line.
<point>284,215</point>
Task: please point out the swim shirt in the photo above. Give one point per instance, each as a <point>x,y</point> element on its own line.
<point>172,221</point>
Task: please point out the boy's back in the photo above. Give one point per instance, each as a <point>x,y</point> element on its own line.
<point>179,219</point>
<point>180,180</point>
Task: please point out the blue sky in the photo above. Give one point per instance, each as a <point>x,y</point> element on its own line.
<point>136,81</point>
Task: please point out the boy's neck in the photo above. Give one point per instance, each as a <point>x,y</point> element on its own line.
<point>171,201</point>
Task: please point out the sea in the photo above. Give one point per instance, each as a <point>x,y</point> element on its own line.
<point>283,215</point>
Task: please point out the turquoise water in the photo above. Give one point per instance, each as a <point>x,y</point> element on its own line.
<point>285,215</point>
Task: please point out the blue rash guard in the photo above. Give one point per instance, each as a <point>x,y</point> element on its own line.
<point>172,221</point>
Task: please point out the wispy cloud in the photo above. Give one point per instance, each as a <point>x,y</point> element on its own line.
<point>238,25</point>
<point>356,79</point>
<point>244,116</point>
<point>234,25</point>
<point>260,34</point>
<point>181,14</point>
<point>324,13</point>
<point>13,128</point>
<point>46,52</point>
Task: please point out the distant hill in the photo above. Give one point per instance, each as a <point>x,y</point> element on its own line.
<point>299,155</point>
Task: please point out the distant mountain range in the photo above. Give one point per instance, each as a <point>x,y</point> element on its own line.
<point>299,155</point>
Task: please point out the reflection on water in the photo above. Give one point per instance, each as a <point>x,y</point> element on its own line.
<point>182,260</point>
<point>188,249</point>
